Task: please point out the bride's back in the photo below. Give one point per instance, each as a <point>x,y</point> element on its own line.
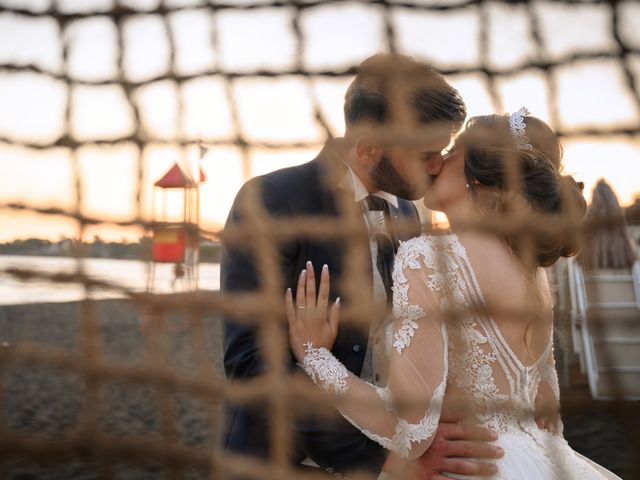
<point>496,371</point>
<point>521,307</point>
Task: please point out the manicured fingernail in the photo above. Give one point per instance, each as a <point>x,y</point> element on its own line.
<point>325,267</point>
<point>303,273</point>
<point>288,291</point>
<point>309,264</point>
<point>338,301</point>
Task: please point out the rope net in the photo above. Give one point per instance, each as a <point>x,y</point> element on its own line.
<point>183,74</point>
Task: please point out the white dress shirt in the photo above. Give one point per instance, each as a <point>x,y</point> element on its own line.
<point>351,182</point>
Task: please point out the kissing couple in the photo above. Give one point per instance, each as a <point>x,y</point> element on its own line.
<point>449,371</point>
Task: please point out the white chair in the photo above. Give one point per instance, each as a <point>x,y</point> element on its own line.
<point>575,304</point>
<point>607,318</point>
<point>559,276</point>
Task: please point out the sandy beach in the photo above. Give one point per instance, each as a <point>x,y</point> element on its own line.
<point>49,401</point>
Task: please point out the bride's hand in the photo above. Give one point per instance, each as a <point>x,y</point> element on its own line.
<point>311,319</point>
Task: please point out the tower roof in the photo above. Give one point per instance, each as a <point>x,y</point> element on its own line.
<point>177,178</point>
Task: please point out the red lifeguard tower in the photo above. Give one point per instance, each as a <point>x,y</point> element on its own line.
<point>176,242</point>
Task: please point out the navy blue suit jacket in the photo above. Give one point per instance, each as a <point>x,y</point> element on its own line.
<point>290,192</point>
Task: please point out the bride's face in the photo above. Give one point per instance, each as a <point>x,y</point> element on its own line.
<point>448,189</point>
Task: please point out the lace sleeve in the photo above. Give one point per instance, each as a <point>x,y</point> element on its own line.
<point>404,415</point>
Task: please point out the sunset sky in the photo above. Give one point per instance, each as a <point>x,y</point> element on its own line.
<point>591,93</point>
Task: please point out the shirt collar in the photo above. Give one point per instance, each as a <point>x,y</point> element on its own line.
<point>350,181</point>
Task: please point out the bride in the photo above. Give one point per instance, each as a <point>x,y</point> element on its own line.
<point>464,342</point>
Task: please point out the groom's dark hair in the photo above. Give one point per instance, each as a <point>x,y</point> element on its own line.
<point>391,89</point>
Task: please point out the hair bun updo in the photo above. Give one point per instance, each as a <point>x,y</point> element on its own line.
<point>553,205</point>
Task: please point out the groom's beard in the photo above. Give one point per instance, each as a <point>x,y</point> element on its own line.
<point>386,178</point>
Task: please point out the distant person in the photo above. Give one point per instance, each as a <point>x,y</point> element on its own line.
<point>607,244</point>
<point>393,95</point>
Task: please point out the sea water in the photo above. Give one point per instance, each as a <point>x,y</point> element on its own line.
<point>128,274</point>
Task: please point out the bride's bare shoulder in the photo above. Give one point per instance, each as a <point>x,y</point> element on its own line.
<point>499,272</point>
<point>493,262</point>
<point>484,248</point>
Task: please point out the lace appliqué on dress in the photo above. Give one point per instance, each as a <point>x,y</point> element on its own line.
<point>402,338</point>
<point>416,254</point>
<point>385,396</point>
<point>324,369</point>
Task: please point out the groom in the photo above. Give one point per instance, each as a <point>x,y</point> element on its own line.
<point>380,166</point>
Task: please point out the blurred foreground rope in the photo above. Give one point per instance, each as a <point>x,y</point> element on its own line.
<point>86,441</point>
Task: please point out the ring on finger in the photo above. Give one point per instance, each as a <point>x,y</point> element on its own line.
<point>301,307</point>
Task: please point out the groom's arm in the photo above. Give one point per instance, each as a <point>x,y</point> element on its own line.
<point>243,355</point>
<point>246,429</point>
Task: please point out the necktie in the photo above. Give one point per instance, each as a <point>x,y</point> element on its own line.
<point>380,232</point>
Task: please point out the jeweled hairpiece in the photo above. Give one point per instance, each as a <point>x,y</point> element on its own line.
<point>518,127</point>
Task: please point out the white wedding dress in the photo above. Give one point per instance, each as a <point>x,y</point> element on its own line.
<point>469,356</point>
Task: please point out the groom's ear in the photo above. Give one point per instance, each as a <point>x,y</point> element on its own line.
<point>368,154</point>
